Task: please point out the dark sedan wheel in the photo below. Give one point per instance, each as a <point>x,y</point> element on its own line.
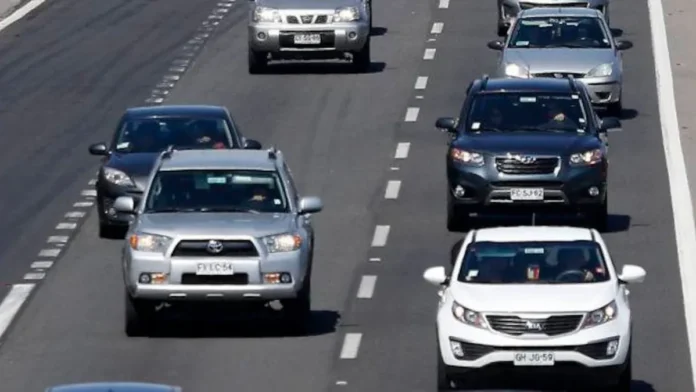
<point>139,314</point>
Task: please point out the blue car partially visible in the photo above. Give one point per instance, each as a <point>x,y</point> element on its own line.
<point>114,387</point>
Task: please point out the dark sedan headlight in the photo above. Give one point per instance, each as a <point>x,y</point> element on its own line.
<point>465,157</point>
<point>587,158</point>
<point>118,177</point>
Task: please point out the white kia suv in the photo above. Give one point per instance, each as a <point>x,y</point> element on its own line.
<point>532,306</point>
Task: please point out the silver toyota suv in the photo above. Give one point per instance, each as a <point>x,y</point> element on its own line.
<point>309,30</point>
<point>218,226</point>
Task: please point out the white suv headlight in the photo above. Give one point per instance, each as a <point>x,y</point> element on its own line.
<point>118,177</point>
<point>601,71</point>
<point>468,316</point>
<point>266,15</point>
<point>601,315</point>
<point>145,242</point>
<point>516,71</point>
<point>282,242</point>
<point>346,14</point>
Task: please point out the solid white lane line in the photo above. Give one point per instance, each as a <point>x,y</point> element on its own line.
<point>421,83</point>
<point>680,193</point>
<point>429,54</point>
<point>392,191</point>
<point>89,193</point>
<point>379,239</point>
<point>437,28</point>
<point>75,214</point>
<point>66,226</point>
<point>411,114</point>
<point>20,13</point>
<point>402,150</point>
<point>351,346</point>
<point>367,286</point>
<point>83,204</point>
<point>58,239</point>
<point>12,303</point>
<point>49,252</point>
<point>41,264</point>
<point>444,4</point>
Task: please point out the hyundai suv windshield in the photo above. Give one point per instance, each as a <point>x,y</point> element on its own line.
<point>533,263</point>
<point>252,191</point>
<point>525,112</point>
<point>560,32</point>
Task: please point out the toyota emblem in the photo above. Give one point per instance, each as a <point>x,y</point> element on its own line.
<point>214,246</point>
<point>525,159</point>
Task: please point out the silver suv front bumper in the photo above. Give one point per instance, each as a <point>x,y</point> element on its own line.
<point>297,39</point>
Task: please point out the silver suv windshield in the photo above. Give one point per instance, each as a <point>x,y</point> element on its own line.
<point>534,263</point>
<point>254,191</point>
<point>560,32</point>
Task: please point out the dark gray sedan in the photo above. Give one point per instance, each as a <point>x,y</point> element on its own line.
<point>114,387</point>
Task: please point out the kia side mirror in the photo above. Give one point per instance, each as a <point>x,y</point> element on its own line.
<point>632,274</point>
<point>435,275</point>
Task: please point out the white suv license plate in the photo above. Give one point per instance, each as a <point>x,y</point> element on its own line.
<point>534,359</point>
<point>527,194</point>
<point>215,268</point>
<point>307,39</point>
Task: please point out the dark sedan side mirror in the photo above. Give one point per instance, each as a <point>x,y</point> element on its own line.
<point>623,45</point>
<point>251,144</point>
<point>610,123</point>
<point>496,45</point>
<point>99,149</point>
<point>446,124</point>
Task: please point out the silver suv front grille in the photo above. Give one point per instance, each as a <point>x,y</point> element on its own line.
<point>230,248</point>
<point>552,326</point>
<point>307,19</point>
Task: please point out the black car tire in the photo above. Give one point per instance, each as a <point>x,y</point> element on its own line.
<point>443,380</point>
<point>362,59</point>
<point>258,61</point>
<point>457,217</point>
<point>111,232</point>
<point>615,109</point>
<point>623,384</point>
<point>598,216</point>
<point>138,316</point>
<point>298,311</point>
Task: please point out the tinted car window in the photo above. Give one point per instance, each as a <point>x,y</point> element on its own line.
<point>216,191</point>
<point>565,32</point>
<point>153,135</point>
<point>496,112</point>
<point>533,263</point>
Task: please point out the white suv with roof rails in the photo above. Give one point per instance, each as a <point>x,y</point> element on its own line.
<point>543,306</point>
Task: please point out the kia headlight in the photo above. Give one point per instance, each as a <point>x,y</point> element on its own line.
<point>346,14</point>
<point>601,315</point>
<point>587,158</point>
<point>468,316</point>
<point>266,15</point>
<point>516,71</point>
<point>153,243</point>
<point>466,157</point>
<point>283,243</point>
<point>118,177</point>
<point>601,71</point>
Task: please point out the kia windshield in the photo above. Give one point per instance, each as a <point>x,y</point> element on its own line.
<point>526,112</point>
<point>252,191</point>
<point>560,32</point>
<point>156,134</point>
<point>566,262</point>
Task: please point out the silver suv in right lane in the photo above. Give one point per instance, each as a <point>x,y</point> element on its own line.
<point>563,42</point>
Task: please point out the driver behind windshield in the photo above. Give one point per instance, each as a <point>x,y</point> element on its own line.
<point>557,118</point>
<point>206,134</point>
<point>573,263</point>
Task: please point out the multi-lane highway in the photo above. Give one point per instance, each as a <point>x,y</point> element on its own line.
<point>70,68</point>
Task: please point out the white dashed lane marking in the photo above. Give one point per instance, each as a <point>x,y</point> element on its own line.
<point>421,83</point>
<point>75,214</point>
<point>58,239</point>
<point>83,204</point>
<point>12,303</point>
<point>429,54</point>
<point>444,4</point>
<point>437,28</point>
<point>49,252</point>
<point>379,239</point>
<point>367,286</point>
<point>34,275</point>
<point>402,150</point>
<point>392,191</point>
<point>66,226</point>
<point>351,346</point>
<point>41,264</point>
<point>412,114</point>
<point>89,193</point>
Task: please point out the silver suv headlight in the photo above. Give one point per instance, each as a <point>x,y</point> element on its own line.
<point>600,71</point>
<point>516,71</point>
<point>266,15</point>
<point>601,315</point>
<point>468,316</point>
<point>287,242</point>
<point>346,14</point>
<point>146,242</point>
<point>118,177</point>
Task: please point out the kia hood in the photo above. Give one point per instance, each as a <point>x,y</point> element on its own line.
<point>561,60</point>
<point>534,298</point>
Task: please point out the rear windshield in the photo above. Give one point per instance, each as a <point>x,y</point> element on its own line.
<point>534,263</point>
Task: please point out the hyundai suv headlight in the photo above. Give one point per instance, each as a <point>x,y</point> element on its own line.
<point>601,315</point>
<point>466,157</point>
<point>516,71</point>
<point>118,177</point>
<point>601,71</point>
<point>346,14</point>
<point>587,158</point>
<point>266,15</point>
<point>153,243</point>
<point>282,242</point>
<point>468,316</point>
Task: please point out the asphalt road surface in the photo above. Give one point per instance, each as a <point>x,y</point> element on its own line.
<point>70,68</point>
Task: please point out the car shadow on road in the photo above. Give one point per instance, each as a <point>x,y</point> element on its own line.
<point>378,31</point>
<point>320,68</point>
<point>626,114</point>
<point>617,222</point>
<point>641,386</point>
<point>617,33</point>
<point>322,322</point>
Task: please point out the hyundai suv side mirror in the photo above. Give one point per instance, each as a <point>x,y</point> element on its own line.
<point>99,149</point>
<point>623,45</point>
<point>447,124</point>
<point>496,45</point>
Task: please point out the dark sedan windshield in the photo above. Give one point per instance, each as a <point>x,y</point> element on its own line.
<point>533,262</point>
<point>563,32</point>
<point>508,112</point>
<point>154,135</point>
<point>216,191</point>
